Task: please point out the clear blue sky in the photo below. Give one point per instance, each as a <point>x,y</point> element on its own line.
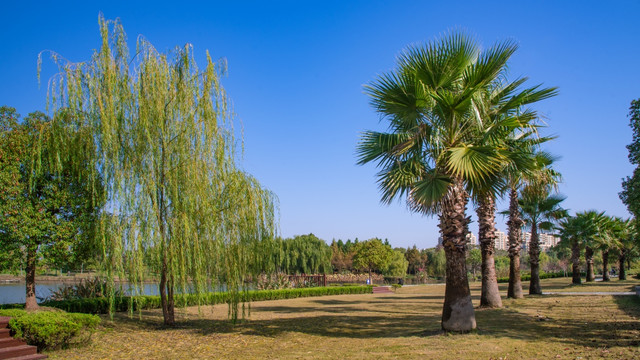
<point>296,71</point>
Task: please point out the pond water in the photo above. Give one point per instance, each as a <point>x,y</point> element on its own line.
<point>14,293</point>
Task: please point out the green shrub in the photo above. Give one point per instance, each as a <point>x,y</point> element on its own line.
<point>87,288</point>
<point>51,329</point>
<point>543,275</point>
<point>125,303</point>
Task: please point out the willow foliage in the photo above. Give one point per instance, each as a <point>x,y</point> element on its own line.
<point>165,147</point>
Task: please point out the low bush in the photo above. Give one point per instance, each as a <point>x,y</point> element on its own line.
<point>543,275</point>
<point>87,288</point>
<point>125,303</point>
<point>51,329</point>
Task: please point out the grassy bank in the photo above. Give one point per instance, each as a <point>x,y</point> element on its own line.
<point>405,325</point>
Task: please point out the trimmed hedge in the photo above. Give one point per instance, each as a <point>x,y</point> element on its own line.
<point>543,275</point>
<point>50,329</point>
<point>124,303</point>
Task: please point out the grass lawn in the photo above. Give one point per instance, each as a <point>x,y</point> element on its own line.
<point>405,325</point>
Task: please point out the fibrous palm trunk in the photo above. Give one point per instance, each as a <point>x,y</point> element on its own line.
<point>515,228</point>
<point>30,298</point>
<point>534,260</point>
<point>490,295</point>
<point>605,265</point>
<point>457,313</point>
<point>588,255</point>
<point>575,261</point>
<point>622,275</point>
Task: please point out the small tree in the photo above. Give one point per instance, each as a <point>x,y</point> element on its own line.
<point>44,209</point>
<point>371,255</point>
<point>397,266</point>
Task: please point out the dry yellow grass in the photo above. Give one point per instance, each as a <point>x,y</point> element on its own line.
<point>405,325</point>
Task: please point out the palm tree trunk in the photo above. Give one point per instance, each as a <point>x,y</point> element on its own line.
<point>605,265</point>
<point>575,261</point>
<point>30,298</point>
<point>515,228</point>
<point>588,255</point>
<point>490,295</point>
<point>457,313</point>
<point>534,260</point>
<point>622,274</point>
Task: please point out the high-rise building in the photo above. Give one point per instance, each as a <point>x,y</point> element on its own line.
<point>547,241</point>
<point>502,241</point>
<point>472,239</point>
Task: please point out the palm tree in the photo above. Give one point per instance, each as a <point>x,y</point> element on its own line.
<point>606,240</point>
<point>624,242</point>
<point>573,231</point>
<point>432,153</point>
<point>593,226</point>
<point>503,104</point>
<point>530,166</point>
<point>540,210</point>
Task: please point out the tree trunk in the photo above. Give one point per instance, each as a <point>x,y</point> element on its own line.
<point>534,260</point>
<point>605,265</point>
<point>457,313</point>
<point>588,255</point>
<point>622,274</point>
<point>30,298</point>
<point>515,228</point>
<point>575,262</point>
<point>490,295</point>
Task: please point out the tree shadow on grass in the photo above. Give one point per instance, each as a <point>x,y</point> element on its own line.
<point>343,319</point>
<point>629,304</point>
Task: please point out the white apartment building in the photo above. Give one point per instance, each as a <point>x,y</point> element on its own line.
<point>502,241</point>
<point>546,241</point>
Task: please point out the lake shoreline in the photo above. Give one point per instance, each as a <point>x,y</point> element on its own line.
<point>64,279</point>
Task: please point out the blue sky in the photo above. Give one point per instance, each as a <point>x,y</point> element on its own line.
<point>296,76</point>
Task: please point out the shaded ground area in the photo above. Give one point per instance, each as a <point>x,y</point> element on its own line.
<point>404,325</point>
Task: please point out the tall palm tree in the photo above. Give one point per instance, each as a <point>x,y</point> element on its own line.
<point>607,240</point>
<point>591,232</point>
<point>628,244</point>
<point>432,153</point>
<point>504,104</point>
<point>532,166</point>
<point>573,230</point>
<point>540,210</point>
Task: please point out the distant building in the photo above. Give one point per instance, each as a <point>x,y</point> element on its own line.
<point>471,239</point>
<point>546,241</point>
<point>502,241</point>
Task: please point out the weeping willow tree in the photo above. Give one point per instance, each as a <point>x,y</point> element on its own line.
<point>165,149</point>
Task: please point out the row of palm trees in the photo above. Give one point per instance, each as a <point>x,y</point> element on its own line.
<point>593,231</point>
<point>459,130</point>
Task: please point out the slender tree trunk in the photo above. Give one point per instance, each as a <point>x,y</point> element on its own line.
<point>588,255</point>
<point>622,274</point>
<point>166,277</point>
<point>534,260</point>
<point>515,229</point>
<point>605,265</point>
<point>30,298</point>
<point>575,262</point>
<point>490,295</point>
<point>457,313</point>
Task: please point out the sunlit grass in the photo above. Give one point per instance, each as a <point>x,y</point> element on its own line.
<point>403,325</point>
